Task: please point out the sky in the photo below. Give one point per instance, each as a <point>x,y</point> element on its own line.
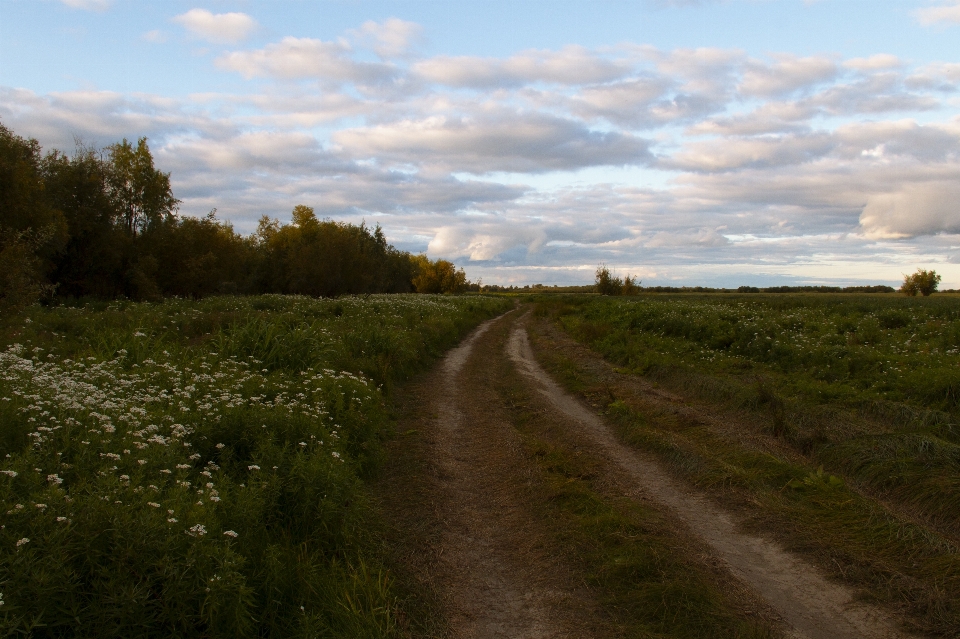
<point>684,142</point>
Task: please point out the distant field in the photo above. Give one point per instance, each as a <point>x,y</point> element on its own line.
<point>196,468</point>
<point>822,348</point>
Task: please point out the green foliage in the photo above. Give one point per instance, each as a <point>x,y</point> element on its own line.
<point>141,194</point>
<point>327,258</point>
<point>923,282</point>
<point>196,469</point>
<point>31,230</point>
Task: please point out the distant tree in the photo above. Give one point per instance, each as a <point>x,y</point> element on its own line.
<point>922,282</point>
<point>631,286</point>
<point>606,283</point>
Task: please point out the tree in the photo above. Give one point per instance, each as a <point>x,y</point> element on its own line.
<point>439,276</point>
<point>31,230</point>
<point>92,261</point>
<point>631,286</point>
<point>922,282</point>
<point>606,282</point>
<point>141,193</point>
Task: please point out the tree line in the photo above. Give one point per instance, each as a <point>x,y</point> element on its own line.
<point>104,223</point>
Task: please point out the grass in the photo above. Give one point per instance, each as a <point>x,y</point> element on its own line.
<point>198,468</point>
<point>815,487</point>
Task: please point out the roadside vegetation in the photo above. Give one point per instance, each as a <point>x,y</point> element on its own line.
<point>197,468</point>
<point>836,422</point>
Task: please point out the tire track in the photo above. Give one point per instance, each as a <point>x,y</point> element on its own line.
<point>499,578</point>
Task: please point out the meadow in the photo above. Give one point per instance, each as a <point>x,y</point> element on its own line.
<point>828,369</point>
<point>197,468</point>
<point>837,422</point>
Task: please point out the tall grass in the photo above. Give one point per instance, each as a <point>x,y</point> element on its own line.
<point>196,468</point>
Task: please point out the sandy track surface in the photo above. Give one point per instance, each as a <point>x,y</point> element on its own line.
<point>814,607</point>
<point>500,577</point>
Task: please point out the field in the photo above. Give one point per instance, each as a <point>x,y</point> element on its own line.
<point>269,467</point>
<point>841,412</point>
<point>198,468</point>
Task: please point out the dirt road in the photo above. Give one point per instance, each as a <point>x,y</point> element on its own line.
<point>494,567</point>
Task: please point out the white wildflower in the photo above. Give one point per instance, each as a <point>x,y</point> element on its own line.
<point>230,533</point>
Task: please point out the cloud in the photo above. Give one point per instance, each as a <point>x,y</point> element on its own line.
<point>874,62</point>
<point>915,209</point>
<point>706,71</point>
<point>772,117</point>
<point>572,65</point>
<point>730,154</point>
<point>298,58</point>
<point>222,28</point>
<point>389,39</point>
<point>944,13</point>
<point>501,141</point>
<point>788,74</point>
<point>88,5</point>
<point>156,36</point>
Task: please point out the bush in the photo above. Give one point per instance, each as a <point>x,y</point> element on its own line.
<point>922,282</point>
<point>609,284</point>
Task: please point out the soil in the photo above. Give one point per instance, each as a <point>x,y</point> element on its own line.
<point>493,568</point>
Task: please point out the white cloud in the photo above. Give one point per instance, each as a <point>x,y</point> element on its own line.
<point>949,13</point>
<point>155,36</point>
<point>224,28</point>
<point>297,58</point>
<point>494,142</point>
<point>392,38</point>
<point>915,209</point>
<point>728,154</point>
<point>874,62</point>
<point>88,5</point>
<point>572,65</point>
<point>787,75</point>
